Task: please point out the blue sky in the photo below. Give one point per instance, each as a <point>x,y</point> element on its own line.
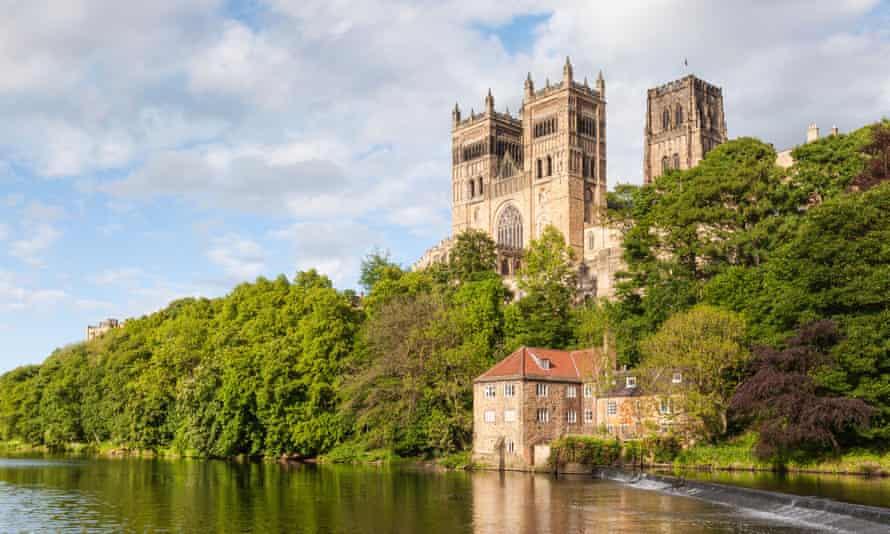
<point>177,148</point>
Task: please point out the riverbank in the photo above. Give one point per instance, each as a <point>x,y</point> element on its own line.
<point>738,455</point>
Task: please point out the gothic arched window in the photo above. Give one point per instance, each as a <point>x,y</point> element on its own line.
<point>480,185</point>
<point>666,119</point>
<point>472,190</point>
<point>679,115</point>
<point>549,166</point>
<point>510,228</point>
<point>676,161</point>
<point>505,267</point>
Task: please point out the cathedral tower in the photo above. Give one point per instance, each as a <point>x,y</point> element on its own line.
<point>511,176</point>
<point>684,120</point>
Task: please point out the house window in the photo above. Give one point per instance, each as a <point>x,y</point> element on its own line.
<point>666,119</point>
<point>665,406</point>
<point>624,429</point>
<point>588,416</point>
<point>588,390</point>
<point>540,166</point>
<point>676,161</point>
<point>509,390</point>
<point>610,429</point>
<point>490,391</point>
<point>612,408</point>
<point>509,416</point>
<point>677,378</point>
<point>489,416</point>
<point>543,415</point>
<point>571,417</point>
<point>511,447</point>
<point>571,392</point>
<point>665,164</point>
<point>542,390</point>
<point>630,381</point>
<point>480,185</point>
<point>679,116</point>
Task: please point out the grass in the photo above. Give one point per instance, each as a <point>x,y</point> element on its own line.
<point>738,454</point>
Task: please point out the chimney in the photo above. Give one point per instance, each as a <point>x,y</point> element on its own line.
<point>834,131</point>
<point>812,133</point>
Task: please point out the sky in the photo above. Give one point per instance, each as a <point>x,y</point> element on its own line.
<point>157,150</point>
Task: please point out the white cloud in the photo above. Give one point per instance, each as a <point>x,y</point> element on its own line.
<point>14,296</point>
<point>31,249</point>
<point>240,258</point>
<point>333,248</point>
<point>122,277</point>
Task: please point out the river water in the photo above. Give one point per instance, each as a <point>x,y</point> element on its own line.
<point>140,495</point>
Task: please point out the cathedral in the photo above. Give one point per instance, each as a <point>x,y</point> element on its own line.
<point>511,176</point>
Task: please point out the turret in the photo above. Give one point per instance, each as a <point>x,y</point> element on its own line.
<point>489,102</point>
<point>567,73</point>
<point>529,87</point>
<point>812,133</point>
<point>455,114</point>
<point>601,85</point>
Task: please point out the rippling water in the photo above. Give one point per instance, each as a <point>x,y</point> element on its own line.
<point>135,495</point>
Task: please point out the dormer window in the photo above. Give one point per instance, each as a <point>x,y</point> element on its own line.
<point>543,363</point>
<point>630,381</point>
<point>677,378</point>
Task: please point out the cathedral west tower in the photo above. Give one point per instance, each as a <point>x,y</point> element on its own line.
<point>513,176</point>
<point>684,121</point>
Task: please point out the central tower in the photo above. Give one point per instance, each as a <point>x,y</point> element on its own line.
<point>512,176</point>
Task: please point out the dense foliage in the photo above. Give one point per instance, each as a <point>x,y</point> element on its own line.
<point>780,247</point>
<point>734,253</point>
<point>790,411</point>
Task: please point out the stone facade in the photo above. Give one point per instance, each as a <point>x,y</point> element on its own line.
<point>784,158</point>
<point>512,176</point>
<point>535,396</point>
<point>684,121</point>
<point>104,326</point>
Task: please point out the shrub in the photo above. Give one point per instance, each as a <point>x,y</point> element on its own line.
<point>584,450</point>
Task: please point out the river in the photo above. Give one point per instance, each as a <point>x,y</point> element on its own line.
<point>144,495</point>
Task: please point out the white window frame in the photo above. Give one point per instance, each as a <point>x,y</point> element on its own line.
<point>677,378</point>
<point>509,390</point>
<point>542,389</point>
<point>610,429</point>
<point>630,381</point>
<point>624,429</point>
<point>491,391</point>
<point>543,415</point>
<point>490,416</point>
<point>588,416</point>
<point>588,390</point>
<point>571,417</point>
<point>665,406</point>
<point>612,407</point>
<point>511,446</point>
<point>509,416</point>
<point>571,391</point>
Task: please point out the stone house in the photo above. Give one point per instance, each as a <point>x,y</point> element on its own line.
<point>535,396</point>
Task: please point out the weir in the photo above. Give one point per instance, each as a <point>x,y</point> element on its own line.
<point>820,513</point>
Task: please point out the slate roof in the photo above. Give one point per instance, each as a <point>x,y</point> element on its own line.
<point>549,364</point>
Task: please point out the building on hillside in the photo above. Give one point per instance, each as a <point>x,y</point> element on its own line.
<point>104,326</point>
<point>784,158</point>
<point>684,121</point>
<point>514,175</point>
<point>535,396</point>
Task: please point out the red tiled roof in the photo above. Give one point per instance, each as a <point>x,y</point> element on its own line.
<point>563,365</point>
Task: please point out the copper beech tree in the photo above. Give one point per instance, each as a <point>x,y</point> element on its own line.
<point>789,410</point>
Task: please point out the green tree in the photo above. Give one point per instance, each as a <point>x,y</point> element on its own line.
<point>707,345</point>
<point>472,256</point>
<point>377,265</point>
<point>547,282</point>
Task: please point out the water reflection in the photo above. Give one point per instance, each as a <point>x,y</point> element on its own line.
<point>132,495</point>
